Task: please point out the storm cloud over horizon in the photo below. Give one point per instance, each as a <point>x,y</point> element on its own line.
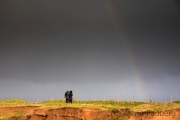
<point>95,48</point>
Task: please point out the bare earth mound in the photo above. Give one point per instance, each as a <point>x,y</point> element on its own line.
<point>45,113</point>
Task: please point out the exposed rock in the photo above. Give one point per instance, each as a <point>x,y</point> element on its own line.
<point>40,112</point>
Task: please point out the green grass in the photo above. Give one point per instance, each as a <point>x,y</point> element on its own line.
<point>16,115</point>
<point>178,102</point>
<point>14,102</point>
<point>19,114</point>
<point>134,107</point>
<point>104,105</point>
<point>93,104</point>
<point>155,107</point>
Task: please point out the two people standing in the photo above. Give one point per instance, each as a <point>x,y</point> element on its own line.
<point>68,96</point>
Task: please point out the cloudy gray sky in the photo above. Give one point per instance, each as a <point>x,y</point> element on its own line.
<point>98,49</point>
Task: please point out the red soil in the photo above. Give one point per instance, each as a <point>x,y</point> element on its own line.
<point>42,113</point>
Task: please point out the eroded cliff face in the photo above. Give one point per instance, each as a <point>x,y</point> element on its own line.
<point>45,113</point>
<point>78,114</point>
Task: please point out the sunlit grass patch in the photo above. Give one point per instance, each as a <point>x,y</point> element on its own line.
<point>14,102</point>
<point>104,105</point>
<point>92,104</point>
<point>178,102</point>
<point>3,116</point>
<point>142,108</point>
<point>155,107</point>
<point>19,114</point>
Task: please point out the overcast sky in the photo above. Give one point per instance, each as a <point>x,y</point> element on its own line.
<point>97,48</point>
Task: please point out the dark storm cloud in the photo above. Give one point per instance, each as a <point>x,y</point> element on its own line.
<point>52,17</point>
<point>73,44</point>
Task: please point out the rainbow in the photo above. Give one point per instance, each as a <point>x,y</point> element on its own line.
<point>137,80</point>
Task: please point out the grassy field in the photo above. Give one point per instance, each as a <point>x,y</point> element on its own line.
<point>104,105</point>
<point>14,102</point>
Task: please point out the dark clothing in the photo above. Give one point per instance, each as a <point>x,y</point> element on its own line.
<point>66,95</point>
<point>67,100</point>
<point>70,97</point>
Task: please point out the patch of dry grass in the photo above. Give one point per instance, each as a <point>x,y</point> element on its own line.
<point>156,107</point>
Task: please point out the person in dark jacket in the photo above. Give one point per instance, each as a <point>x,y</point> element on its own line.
<point>66,96</point>
<point>70,96</point>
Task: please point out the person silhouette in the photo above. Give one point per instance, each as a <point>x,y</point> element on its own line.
<point>70,96</point>
<point>66,96</point>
